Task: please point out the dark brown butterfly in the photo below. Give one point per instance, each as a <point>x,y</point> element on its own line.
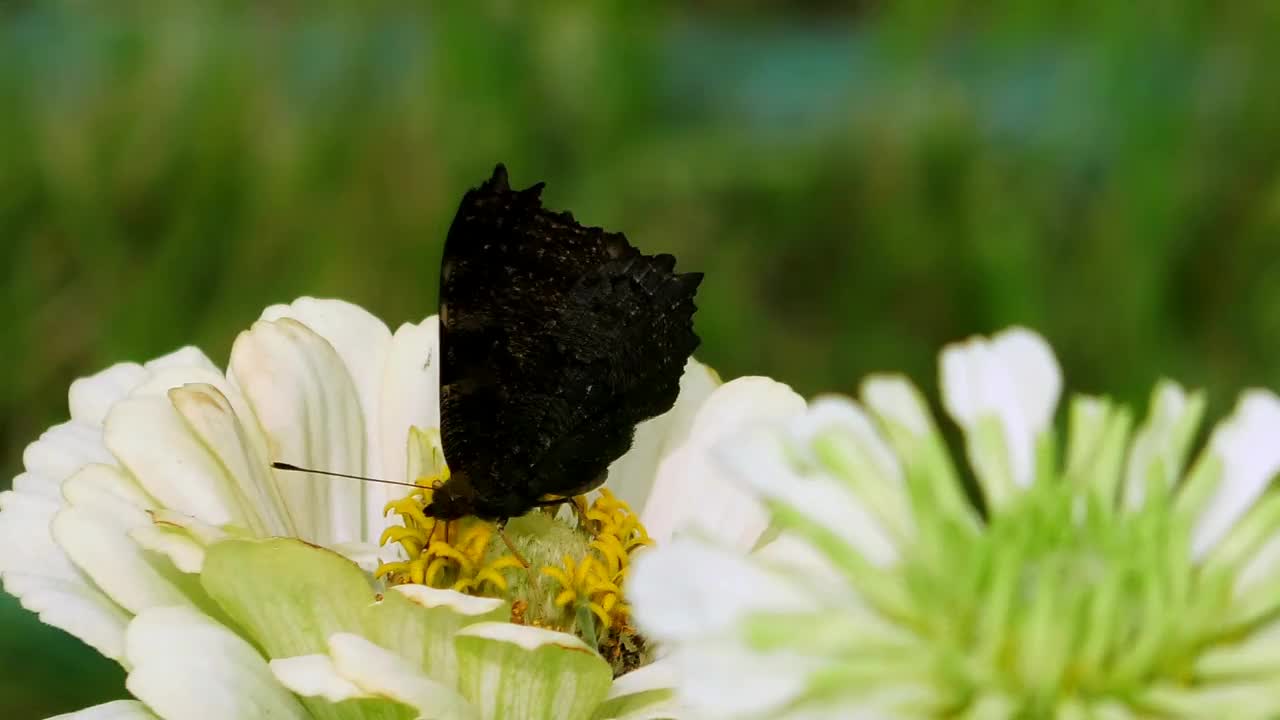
<point>556,340</point>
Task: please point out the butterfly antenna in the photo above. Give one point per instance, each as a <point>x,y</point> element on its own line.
<point>295,468</point>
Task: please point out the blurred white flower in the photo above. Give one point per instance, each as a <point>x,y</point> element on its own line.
<point>1111,580</point>
<point>141,526</point>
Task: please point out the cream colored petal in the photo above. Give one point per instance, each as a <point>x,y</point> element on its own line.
<point>410,398</point>
<point>692,490</point>
<point>94,532</point>
<point>364,344</point>
<point>631,477</point>
<point>152,441</point>
<point>381,673</point>
<point>117,710</point>
<point>314,676</point>
<point>305,401</point>
<point>241,450</point>
<point>188,667</point>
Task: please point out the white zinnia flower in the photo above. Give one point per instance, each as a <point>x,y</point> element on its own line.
<point>144,526</point>
<point>1113,580</point>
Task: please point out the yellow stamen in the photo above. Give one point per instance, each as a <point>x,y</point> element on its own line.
<point>465,555</point>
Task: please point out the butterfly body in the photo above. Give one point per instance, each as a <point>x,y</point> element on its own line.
<point>556,340</point>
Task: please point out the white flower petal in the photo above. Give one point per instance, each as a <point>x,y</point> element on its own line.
<point>26,546</point>
<point>410,398</point>
<point>1034,371</point>
<point>91,397</point>
<point>73,606</point>
<point>315,676</point>
<point>1013,379</point>
<point>686,588</point>
<point>363,342</point>
<point>724,679</point>
<point>306,402</point>
<point>188,667</point>
<point>40,574</point>
<point>632,476</point>
<point>94,532</point>
<point>1248,446</point>
<point>151,440</point>
<point>187,358</point>
<point>410,392</point>
<point>692,490</point>
<point>116,710</point>
<point>64,449</point>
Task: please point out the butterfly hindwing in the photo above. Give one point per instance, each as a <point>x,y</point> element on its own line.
<point>556,340</point>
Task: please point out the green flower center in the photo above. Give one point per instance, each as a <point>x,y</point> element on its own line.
<point>1064,596</point>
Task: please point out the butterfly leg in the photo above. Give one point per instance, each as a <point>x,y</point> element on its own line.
<point>502,532</point>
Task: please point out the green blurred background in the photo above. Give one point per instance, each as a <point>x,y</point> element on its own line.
<point>860,184</point>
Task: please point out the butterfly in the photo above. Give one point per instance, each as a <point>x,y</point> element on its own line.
<point>555,341</point>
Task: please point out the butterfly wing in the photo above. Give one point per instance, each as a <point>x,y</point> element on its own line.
<point>556,339</point>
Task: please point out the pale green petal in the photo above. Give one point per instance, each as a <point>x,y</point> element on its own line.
<point>117,710</point>
<point>289,597</point>
<point>419,622</point>
<point>315,594</point>
<point>188,667</point>
<point>516,672</point>
<point>1159,449</point>
<point>1097,437</point>
<point>908,425</point>
<point>307,403</point>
